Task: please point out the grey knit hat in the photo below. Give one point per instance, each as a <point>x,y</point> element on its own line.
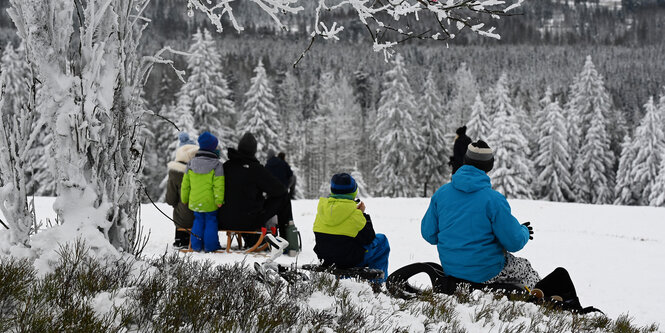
<point>480,155</point>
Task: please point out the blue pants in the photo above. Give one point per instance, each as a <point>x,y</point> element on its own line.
<point>204,232</point>
<point>377,256</point>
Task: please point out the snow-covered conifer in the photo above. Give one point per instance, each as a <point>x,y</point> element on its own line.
<point>479,122</point>
<point>464,93</point>
<point>649,145</point>
<point>259,115</point>
<point>17,83</point>
<point>623,190</point>
<point>512,169</point>
<point>396,134</point>
<point>657,196</point>
<point>363,190</point>
<point>552,161</point>
<point>593,177</point>
<point>430,166</point>
<point>588,95</point>
<point>205,95</point>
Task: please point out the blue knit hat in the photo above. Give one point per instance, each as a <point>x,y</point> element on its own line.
<point>343,183</point>
<point>208,141</point>
<point>184,139</point>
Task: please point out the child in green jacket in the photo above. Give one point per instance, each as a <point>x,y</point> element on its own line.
<point>203,190</point>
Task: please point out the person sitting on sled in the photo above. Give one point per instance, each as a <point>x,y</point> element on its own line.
<point>344,234</point>
<point>473,228</point>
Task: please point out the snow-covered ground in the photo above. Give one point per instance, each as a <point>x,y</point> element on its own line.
<point>615,254</point>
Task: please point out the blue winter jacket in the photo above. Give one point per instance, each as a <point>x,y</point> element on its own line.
<point>471,225</point>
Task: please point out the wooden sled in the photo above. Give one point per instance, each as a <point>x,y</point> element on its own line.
<point>257,248</point>
<point>363,273</point>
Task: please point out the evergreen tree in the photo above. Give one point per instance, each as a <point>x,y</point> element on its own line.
<point>657,196</point>
<point>479,122</point>
<point>552,161</point>
<point>464,91</point>
<point>396,134</point>
<point>649,145</point>
<point>260,114</point>
<point>623,190</point>
<point>512,169</point>
<point>430,165</point>
<point>363,190</point>
<point>206,94</point>
<point>593,164</point>
<point>589,97</point>
<point>344,139</point>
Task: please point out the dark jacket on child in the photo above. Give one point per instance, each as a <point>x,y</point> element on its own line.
<point>182,215</point>
<point>341,231</point>
<point>246,182</point>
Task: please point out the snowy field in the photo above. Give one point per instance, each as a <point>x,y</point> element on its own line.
<point>615,255</point>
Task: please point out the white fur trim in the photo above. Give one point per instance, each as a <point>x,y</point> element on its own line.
<point>186,153</point>
<point>177,166</point>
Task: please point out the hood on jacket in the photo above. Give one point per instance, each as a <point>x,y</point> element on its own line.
<point>183,155</point>
<point>238,157</point>
<point>470,179</point>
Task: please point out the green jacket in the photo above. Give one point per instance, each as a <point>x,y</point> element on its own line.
<point>341,232</point>
<point>203,183</point>
<point>337,216</point>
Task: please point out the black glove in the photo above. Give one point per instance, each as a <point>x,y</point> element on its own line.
<point>528,226</point>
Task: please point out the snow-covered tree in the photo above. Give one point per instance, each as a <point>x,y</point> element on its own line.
<point>512,169</point>
<point>431,163</point>
<point>649,145</point>
<point>363,190</point>
<point>19,131</point>
<point>205,95</point>
<point>552,161</point>
<point>396,134</point>
<point>588,95</point>
<point>465,90</point>
<point>657,196</point>
<point>623,190</point>
<point>479,125</point>
<point>90,86</point>
<point>259,115</point>
<point>17,80</point>
<point>593,177</point>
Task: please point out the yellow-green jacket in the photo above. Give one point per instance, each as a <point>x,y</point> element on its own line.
<point>341,231</point>
<point>203,183</point>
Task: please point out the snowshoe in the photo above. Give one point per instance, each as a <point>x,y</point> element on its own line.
<point>277,246</point>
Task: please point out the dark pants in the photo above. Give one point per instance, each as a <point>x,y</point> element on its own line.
<point>280,206</point>
<point>181,238</point>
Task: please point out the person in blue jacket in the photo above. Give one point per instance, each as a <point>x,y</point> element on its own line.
<point>473,229</point>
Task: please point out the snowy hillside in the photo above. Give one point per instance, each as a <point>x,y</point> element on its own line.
<point>614,254</point>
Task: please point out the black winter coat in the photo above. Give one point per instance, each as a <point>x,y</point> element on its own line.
<point>280,169</point>
<point>246,181</point>
<point>459,150</point>
<point>183,217</point>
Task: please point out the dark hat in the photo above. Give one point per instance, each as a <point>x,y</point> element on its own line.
<point>480,155</point>
<point>343,183</point>
<point>208,141</point>
<point>461,131</point>
<point>247,144</point>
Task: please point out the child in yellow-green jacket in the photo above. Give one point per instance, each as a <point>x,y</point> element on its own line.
<point>203,190</point>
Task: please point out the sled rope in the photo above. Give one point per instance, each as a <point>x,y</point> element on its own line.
<point>168,217</point>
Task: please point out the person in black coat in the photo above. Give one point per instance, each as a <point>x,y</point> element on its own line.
<point>252,194</point>
<point>462,141</point>
<point>279,168</point>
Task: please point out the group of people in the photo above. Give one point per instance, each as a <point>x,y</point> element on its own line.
<point>470,223</point>
<point>240,194</point>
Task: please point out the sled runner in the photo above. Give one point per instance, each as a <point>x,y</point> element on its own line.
<point>556,289</point>
<point>257,248</point>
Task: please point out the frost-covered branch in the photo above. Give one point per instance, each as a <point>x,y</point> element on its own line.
<point>218,9</point>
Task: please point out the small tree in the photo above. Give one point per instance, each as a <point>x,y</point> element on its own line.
<point>260,114</point>
<point>396,134</point>
<point>430,164</point>
<point>552,160</point>
<point>479,125</point>
<point>657,196</point>
<point>623,190</point>
<point>649,144</point>
<point>512,168</point>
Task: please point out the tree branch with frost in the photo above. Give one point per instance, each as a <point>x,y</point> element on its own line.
<point>222,8</point>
